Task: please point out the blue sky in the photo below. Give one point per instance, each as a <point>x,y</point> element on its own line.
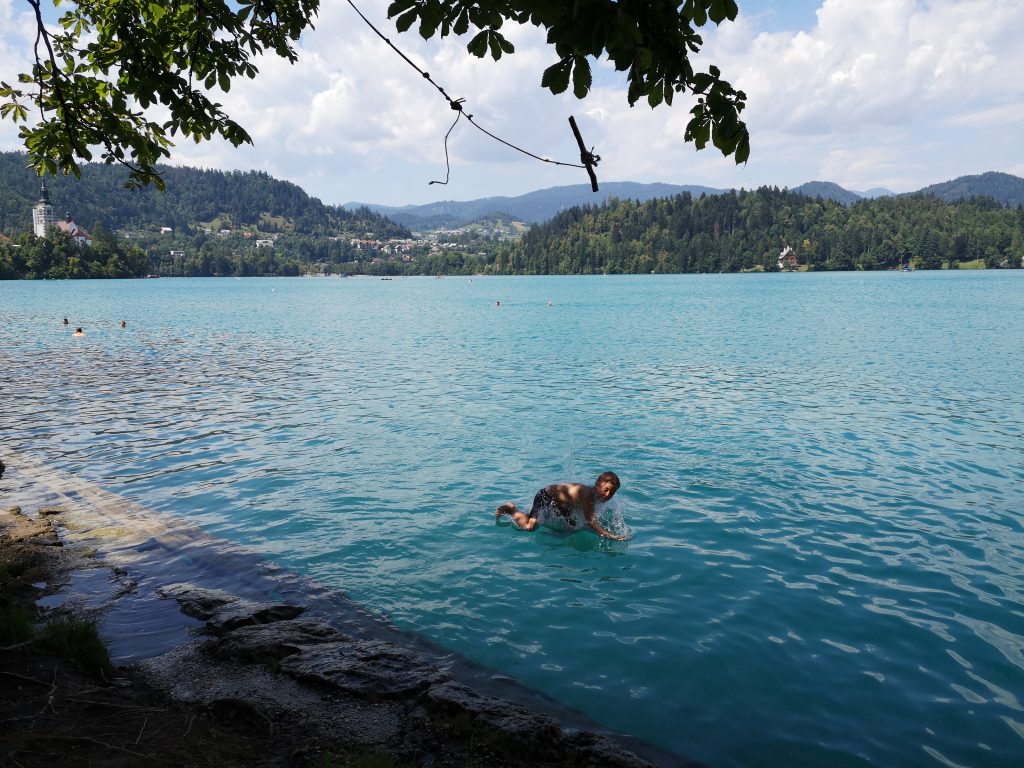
<point>866,93</point>
<point>782,15</point>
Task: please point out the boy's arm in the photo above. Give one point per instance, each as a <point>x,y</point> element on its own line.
<point>589,512</point>
<point>525,523</point>
<point>601,531</point>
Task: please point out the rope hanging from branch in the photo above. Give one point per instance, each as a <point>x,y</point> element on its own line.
<point>587,159</point>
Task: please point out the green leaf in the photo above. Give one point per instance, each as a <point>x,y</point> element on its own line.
<point>478,45</point>
<point>157,11</point>
<point>581,77</point>
<point>694,9</point>
<point>701,82</point>
<point>717,11</point>
<point>556,77</point>
<point>743,148</point>
<point>428,26</point>
<point>495,46</point>
<point>655,97</point>
<point>398,6</point>
<point>403,22</point>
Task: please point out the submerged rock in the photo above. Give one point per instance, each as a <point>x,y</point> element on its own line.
<point>25,529</point>
<point>223,611</point>
<point>197,602</point>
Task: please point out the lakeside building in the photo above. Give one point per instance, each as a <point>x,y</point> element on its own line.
<point>43,219</point>
<point>42,212</point>
<point>788,259</point>
<point>76,233</point>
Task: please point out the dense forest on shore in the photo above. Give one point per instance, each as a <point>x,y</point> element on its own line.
<point>747,230</point>
<point>212,223</point>
<point>195,199</point>
<point>141,228</point>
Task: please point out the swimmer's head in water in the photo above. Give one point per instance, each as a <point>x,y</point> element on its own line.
<point>606,485</point>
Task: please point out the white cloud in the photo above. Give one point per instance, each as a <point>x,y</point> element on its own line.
<point>865,94</point>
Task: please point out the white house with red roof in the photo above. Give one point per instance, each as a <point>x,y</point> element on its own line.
<point>76,233</point>
<point>787,259</point>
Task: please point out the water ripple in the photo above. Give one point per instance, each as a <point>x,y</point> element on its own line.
<point>826,530</point>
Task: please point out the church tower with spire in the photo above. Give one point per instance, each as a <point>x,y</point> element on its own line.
<point>42,213</point>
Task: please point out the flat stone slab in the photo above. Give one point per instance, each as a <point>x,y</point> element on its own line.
<point>275,641</point>
<point>373,668</point>
<point>224,612</point>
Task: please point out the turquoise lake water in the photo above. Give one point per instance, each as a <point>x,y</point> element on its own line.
<point>822,480</point>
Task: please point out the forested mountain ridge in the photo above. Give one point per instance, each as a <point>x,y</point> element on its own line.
<point>746,230</point>
<point>1004,187</point>
<point>532,207</point>
<point>541,205</point>
<point>194,198</point>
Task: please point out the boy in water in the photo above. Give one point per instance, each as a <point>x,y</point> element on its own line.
<point>560,505</point>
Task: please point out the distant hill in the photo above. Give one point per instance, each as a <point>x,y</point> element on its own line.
<point>230,199</point>
<point>876,192</point>
<point>829,191</point>
<point>533,207</point>
<point>543,205</point>
<point>1007,189</point>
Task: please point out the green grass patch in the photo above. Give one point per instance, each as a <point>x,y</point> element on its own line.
<point>12,569</point>
<point>976,264</point>
<point>78,641</point>
<point>281,222</point>
<point>15,624</point>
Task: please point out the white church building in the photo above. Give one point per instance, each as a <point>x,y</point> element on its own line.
<point>43,219</point>
<point>42,213</point>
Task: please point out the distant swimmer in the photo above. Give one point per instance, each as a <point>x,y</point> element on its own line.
<point>497,303</point>
<point>65,321</point>
<point>124,324</point>
<point>566,507</point>
<point>78,332</point>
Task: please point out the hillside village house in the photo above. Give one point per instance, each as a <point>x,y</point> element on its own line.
<point>787,259</point>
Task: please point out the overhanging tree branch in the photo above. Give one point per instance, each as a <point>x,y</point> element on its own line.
<point>108,61</point>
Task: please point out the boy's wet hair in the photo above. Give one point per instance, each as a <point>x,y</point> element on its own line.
<point>610,476</point>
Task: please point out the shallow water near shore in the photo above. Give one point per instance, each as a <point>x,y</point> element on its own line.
<point>822,480</point>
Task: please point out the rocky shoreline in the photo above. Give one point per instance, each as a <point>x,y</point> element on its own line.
<point>256,683</point>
